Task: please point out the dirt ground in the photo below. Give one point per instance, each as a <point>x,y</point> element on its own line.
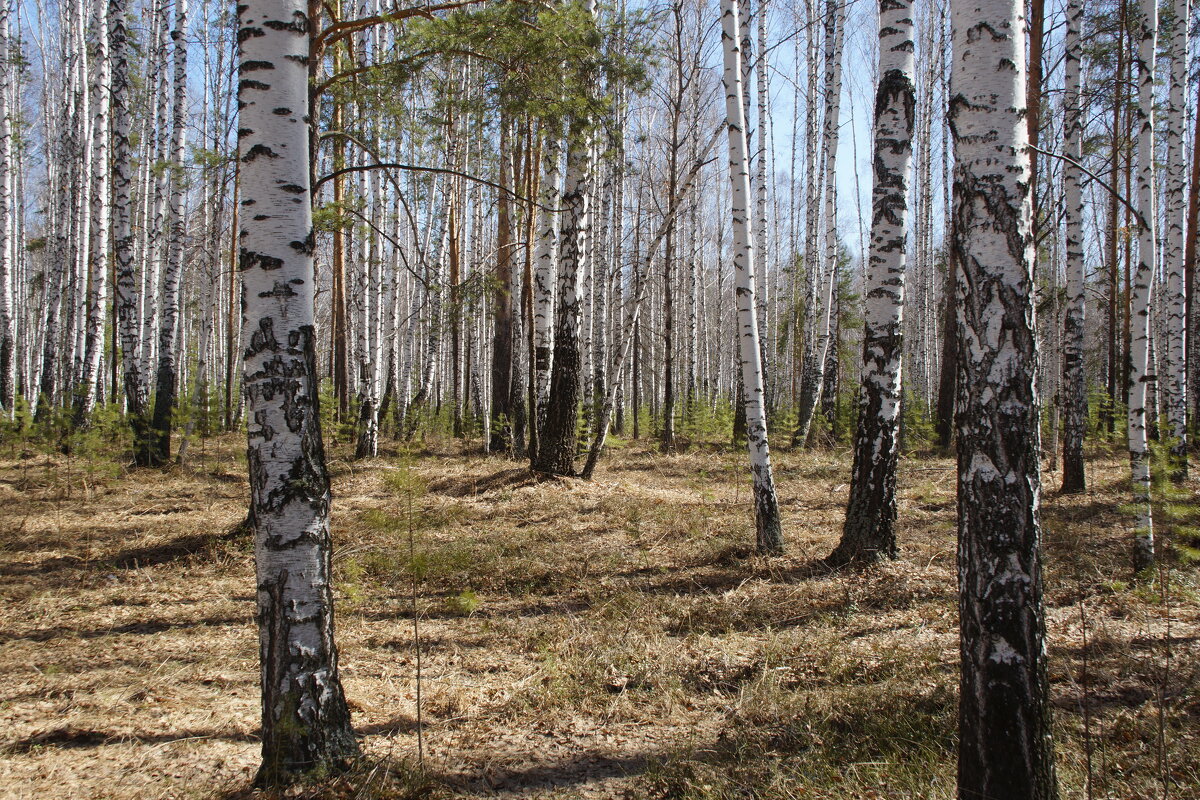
<point>616,638</point>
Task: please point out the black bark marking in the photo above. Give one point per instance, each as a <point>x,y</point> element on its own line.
<point>299,24</point>
<point>258,150</point>
<point>249,84</point>
<point>307,246</point>
<point>293,188</point>
<point>251,66</point>
<point>281,112</point>
<point>249,259</point>
<point>280,291</point>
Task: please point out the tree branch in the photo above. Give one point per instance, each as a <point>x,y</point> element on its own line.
<point>415,168</point>
<point>340,30</point>
<point>1117,195</point>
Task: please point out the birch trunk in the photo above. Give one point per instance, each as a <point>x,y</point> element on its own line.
<point>1074,382</point>
<point>869,533</point>
<point>558,442</point>
<point>502,306</point>
<point>8,306</point>
<point>543,275</point>
<point>166,377</point>
<point>766,507</point>
<point>305,721</point>
<point>1139,316</point>
<point>1005,747</point>
<point>835,15</point>
<point>97,291</point>
<point>128,329</point>
<point>1176,302</point>
<point>810,368</point>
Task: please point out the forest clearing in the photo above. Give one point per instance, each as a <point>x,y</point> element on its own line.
<point>613,638</point>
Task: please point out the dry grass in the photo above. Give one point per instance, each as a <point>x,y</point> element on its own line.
<point>608,639</point>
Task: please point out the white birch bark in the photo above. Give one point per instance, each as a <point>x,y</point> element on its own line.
<point>766,507</point>
<point>869,533</point>
<point>759,186</point>
<point>8,309</point>
<point>1005,746</point>
<point>306,724</point>
<point>167,377</point>
<point>1139,356</point>
<point>810,367</point>
<point>557,442</point>
<point>624,345</point>
<point>834,23</point>
<point>1074,381</point>
<point>544,271</point>
<point>82,217</point>
<point>97,291</point>
<point>126,289</point>
<point>157,188</point>
<point>1176,383</point>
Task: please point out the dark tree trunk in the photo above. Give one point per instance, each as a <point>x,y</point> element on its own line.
<point>558,442</point>
<point>502,309</point>
<point>949,374</point>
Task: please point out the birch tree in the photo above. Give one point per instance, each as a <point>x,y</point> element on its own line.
<point>817,349</point>
<point>869,531</point>
<point>766,507</point>
<point>1176,305</point>
<point>166,376</point>
<point>557,441</point>
<point>1005,747</point>
<point>8,355</point>
<point>1074,382</point>
<point>1139,354</point>
<point>128,313</point>
<point>543,276</point>
<point>305,720</point>
<point>97,291</point>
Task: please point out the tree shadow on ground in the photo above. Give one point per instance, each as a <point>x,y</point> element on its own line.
<point>581,767</point>
<point>473,485</point>
<point>75,738</point>
<point>143,627</point>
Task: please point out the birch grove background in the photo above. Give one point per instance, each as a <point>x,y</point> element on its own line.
<point>734,265</point>
<point>427,291</point>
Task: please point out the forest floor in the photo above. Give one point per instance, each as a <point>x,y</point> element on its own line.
<point>616,638</point>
